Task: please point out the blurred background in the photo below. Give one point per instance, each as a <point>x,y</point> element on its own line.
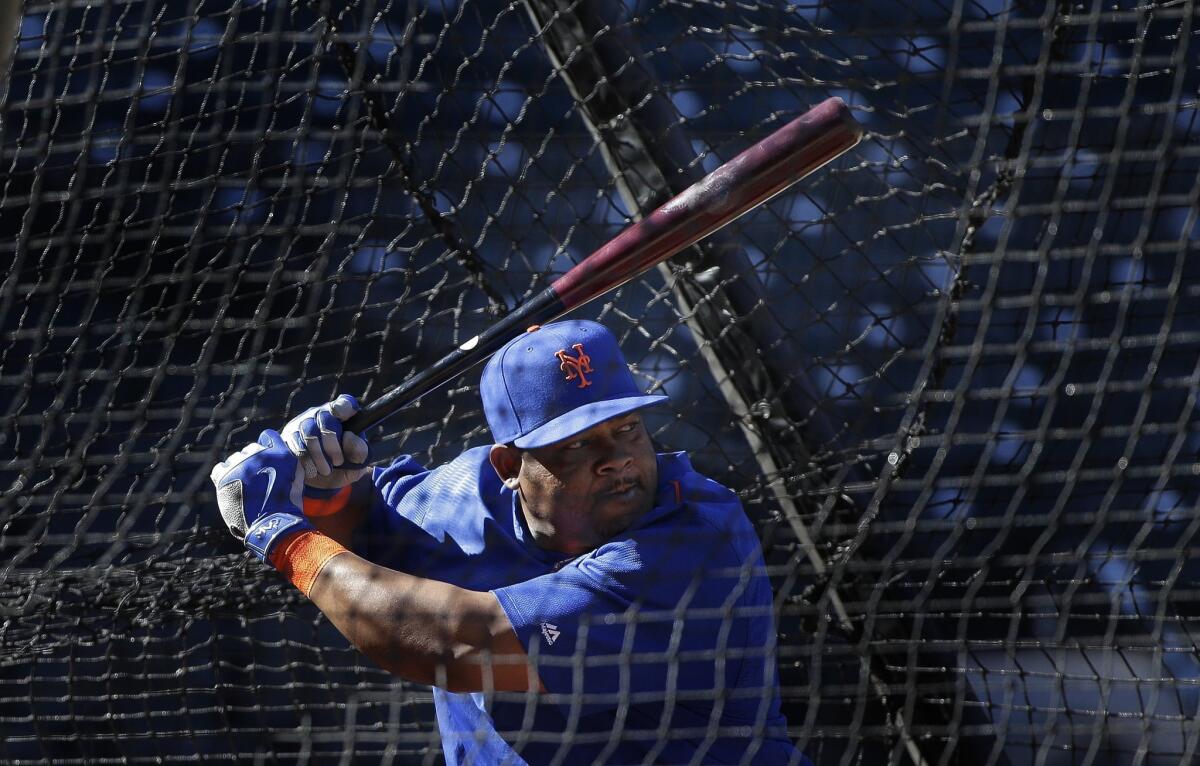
<point>953,375</point>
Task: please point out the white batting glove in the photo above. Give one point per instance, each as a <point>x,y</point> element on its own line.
<point>331,458</point>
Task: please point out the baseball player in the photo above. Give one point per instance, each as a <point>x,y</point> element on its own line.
<point>571,596</point>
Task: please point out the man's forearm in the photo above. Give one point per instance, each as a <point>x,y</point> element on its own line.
<point>422,630</point>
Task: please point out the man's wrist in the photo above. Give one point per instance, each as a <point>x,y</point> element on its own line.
<point>320,502</point>
<point>300,557</point>
<point>324,493</point>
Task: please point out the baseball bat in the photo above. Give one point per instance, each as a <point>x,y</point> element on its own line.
<point>751,178</point>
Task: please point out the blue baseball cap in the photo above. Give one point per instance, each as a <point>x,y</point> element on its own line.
<point>556,381</point>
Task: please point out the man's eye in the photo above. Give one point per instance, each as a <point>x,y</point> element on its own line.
<point>578,444</point>
<point>627,428</point>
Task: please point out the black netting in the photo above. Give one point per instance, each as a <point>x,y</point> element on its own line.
<point>963,418</point>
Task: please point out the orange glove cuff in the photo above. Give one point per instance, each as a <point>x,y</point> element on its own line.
<point>301,557</point>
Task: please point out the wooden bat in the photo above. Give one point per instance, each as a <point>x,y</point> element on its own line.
<point>756,175</point>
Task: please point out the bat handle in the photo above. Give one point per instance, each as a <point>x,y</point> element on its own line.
<point>543,308</point>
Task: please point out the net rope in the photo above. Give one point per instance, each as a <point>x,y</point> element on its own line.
<point>218,213</point>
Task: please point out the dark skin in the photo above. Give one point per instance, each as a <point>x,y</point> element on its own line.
<point>578,493</point>
<point>575,495</point>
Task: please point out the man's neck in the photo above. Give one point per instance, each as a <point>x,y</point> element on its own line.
<point>548,537</point>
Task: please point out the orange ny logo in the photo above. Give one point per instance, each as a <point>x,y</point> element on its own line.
<point>576,366</point>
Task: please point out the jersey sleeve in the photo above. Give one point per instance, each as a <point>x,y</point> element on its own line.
<point>648,619</point>
<point>381,536</point>
<point>395,480</point>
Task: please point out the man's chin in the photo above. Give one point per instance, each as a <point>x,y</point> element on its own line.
<point>619,512</point>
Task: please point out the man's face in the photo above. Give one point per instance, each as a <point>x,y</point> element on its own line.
<point>580,492</point>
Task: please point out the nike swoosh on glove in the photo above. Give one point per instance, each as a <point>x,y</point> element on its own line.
<point>259,492</point>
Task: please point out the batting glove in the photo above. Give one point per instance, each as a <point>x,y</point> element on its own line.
<point>331,458</point>
<point>259,492</point>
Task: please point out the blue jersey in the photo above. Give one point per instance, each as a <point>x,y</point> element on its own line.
<point>658,646</point>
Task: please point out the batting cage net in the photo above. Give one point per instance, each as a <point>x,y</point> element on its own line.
<point>953,376</point>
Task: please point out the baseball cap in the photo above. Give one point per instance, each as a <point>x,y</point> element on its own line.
<point>556,381</point>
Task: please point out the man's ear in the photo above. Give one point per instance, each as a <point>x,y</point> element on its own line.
<point>506,461</point>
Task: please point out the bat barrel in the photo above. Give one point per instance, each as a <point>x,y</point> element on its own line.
<point>749,179</point>
<point>764,170</point>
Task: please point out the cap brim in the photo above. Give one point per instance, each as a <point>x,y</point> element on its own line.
<point>582,418</point>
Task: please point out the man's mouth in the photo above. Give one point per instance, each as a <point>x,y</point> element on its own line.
<point>624,491</point>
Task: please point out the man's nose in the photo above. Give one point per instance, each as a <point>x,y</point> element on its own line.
<point>614,459</point>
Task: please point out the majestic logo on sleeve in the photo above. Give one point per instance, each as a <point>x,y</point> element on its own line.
<point>550,633</point>
<point>576,366</point>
